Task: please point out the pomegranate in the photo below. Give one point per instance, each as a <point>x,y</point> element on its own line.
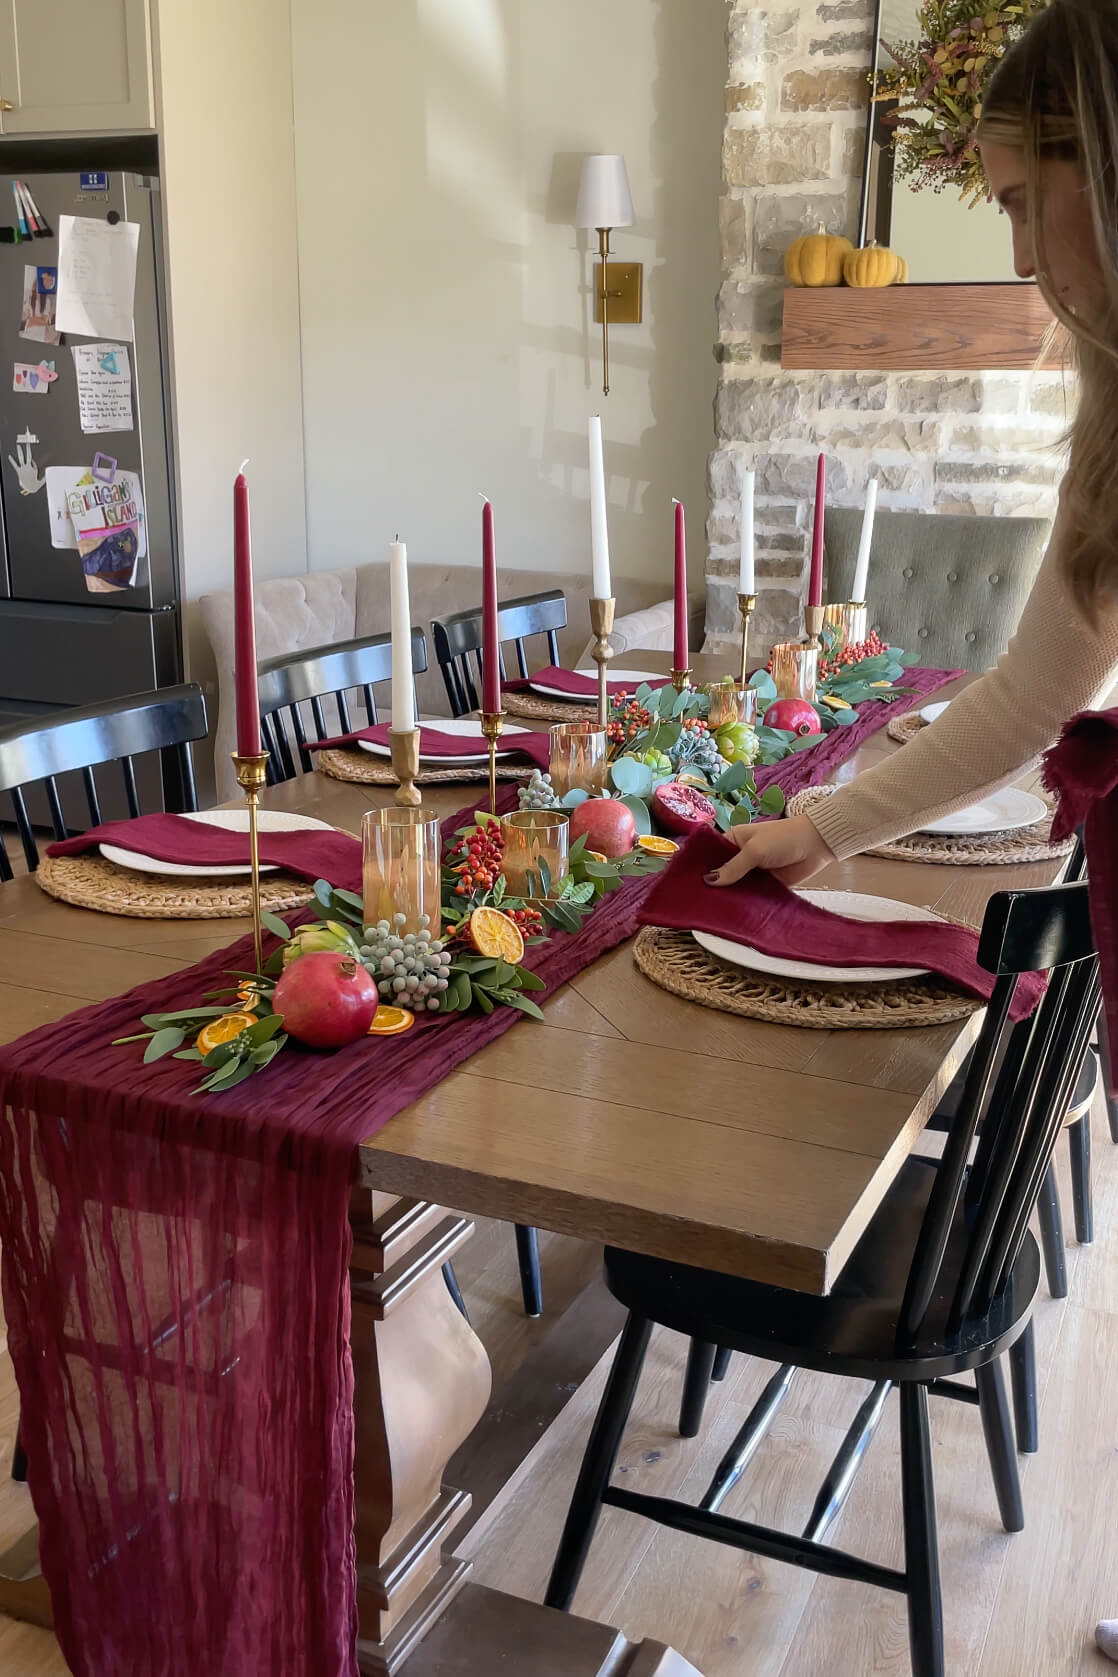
<point>327,1000</point>
<point>608,825</point>
<point>680,809</point>
<point>795,716</point>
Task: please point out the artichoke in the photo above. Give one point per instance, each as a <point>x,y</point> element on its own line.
<point>328,935</point>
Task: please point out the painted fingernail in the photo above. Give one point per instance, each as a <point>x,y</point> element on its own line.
<point>710,878</point>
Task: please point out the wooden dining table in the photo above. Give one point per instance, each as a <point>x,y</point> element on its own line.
<point>629,1116</point>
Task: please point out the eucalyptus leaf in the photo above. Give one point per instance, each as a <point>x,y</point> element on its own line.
<point>631,778</point>
<point>264,1029</point>
<point>272,923</point>
<point>681,702</point>
<point>503,971</point>
<point>742,816</point>
<point>844,718</point>
<point>264,1053</point>
<point>580,894</point>
<point>805,742</point>
<point>577,848</point>
<point>765,685</point>
<point>600,870</point>
<point>222,1080</point>
<point>643,694</point>
<point>156,1021</point>
<point>723,814</point>
<point>638,809</point>
<point>531,980</point>
<point>572,799</point>
<point>170,1037</point>
<point>545,877</point>
<point>323,891</point>
<point>220,1056</point>
<point>732,778</point>
<point>513,998</point>
<point>474,964</point>
<point>772,800</point>
<point>483,1001</point>
<point>188,1054</point>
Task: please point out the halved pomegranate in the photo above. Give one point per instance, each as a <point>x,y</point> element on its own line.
<point>681,809</point>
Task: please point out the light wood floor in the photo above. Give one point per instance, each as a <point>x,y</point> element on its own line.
<point>1021,1606</point>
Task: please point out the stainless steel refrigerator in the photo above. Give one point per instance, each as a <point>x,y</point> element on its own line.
<point>73,628</point>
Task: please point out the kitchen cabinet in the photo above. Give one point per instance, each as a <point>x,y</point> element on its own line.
<point>75,66</point>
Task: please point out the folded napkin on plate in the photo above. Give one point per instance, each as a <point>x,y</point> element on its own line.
<point>313,854</point>
<point>1083,771</point>
<point>763,913</point>
<point>532,746</point>
<point>575,686</point>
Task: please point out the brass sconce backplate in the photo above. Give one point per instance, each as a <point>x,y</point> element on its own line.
<point>624,286</point>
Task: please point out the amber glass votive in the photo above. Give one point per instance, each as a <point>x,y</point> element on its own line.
<point>848,622</point>
<point>730,703</point>
<point>795,667</point>
<point>532,836</point>
<point>578,757</point>
<point>400,866</point>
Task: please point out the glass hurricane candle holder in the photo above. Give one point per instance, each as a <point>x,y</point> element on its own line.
<point>400,867</point>
<point>848,622</point>
<point>533,836</point>
<point>578,757</point>
<point>730,703</point>
<point>795,668</point>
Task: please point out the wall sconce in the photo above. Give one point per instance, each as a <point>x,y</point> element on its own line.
<point>605,202</point>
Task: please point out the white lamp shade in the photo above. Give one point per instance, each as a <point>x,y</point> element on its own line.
<point>604,199</point>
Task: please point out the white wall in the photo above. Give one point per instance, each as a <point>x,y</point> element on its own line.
<point>946,243</point>
<point>447,346</point>
<point>224,80</point>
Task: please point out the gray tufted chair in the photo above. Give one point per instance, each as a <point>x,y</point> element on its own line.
<point>948,589</point>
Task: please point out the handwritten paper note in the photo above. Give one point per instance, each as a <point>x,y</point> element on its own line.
<point>104,387</point>
<point>96,276</point>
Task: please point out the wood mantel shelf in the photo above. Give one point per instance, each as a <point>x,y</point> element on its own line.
<point>913,328</point>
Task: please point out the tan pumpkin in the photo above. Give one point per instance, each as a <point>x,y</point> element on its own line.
<point>902,272</point>
<point>871,267</point>
<point>817,258</point>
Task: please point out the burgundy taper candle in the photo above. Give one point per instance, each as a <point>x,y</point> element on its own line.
<point>681,659</point>
<point>815,578</point>
<point>244,626</point>
<point>490,639</point>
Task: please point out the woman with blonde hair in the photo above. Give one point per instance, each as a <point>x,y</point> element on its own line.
<point>1049,139</point>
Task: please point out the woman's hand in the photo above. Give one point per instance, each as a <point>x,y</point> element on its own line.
<point>792,850</point>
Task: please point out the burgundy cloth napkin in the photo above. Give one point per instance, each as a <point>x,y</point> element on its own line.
<point>533,745</point>
<point>1082,769</point>
<point>763,913</point>
<point>313,854</point>
<point>575,686</point>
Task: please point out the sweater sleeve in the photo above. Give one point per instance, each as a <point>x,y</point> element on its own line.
<point>1057,663</point>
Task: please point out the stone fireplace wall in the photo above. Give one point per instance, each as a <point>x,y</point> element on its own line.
<point>977,443</point>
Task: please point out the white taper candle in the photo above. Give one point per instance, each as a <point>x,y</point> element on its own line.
<point>403,690</point>
<point>862,563</point>
<point>747,581</point>
<point>599,530</point>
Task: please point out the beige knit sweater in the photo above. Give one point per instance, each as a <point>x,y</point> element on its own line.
<point>1056,664</point>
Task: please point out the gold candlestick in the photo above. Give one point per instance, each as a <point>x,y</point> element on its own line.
<point>813,618</point>
<point>681,679</point>
<point>601,623</point>
<point>747,605</point>
<point>403,744</point>
<point>252,775</point>
<point>492,721</point>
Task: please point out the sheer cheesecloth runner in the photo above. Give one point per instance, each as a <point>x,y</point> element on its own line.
<point>174,1273</point>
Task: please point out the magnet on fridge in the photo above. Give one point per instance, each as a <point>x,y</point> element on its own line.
<point>104,467</point>
<point>93,180</point>
<point>46,281</point>
<point>7,236</point>
<point>30,479</point>
<point>38,379</point>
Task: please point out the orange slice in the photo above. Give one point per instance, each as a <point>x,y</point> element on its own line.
<point>656,846</point>
<point>494,934</point>
<point>595,855</point>
<point>248,994</point>
<point>390,1021</point>
<point>223,1030</point>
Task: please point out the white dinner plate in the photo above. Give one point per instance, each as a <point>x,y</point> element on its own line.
<point>1001,812</point>
<point>464,725</point>
<point>856,906</point>
<point>930,712</point>
<point>235,821</point>
<point>633,677</point>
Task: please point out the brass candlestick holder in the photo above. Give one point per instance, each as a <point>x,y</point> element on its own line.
<point>403,745</point>
<point>747,605</point>
<point>681,679</point>
<point>813,620</point>
<point>492,722</point>
<point>252,776</point>
<point>848,621</point>
<point>601,623</point>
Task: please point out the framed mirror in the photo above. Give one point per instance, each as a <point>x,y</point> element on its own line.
<point>944,240</point>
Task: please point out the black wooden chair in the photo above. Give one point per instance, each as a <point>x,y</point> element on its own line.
<point>942,1282</point>
<point>315,677</point>
<point>35,754</point>
<point>457,641</point>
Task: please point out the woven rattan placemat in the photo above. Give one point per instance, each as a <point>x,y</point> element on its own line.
<point>675,962</point>
<point>537,707</point>
<point>902,728</point>
<point>1024,844</point>
<point>92,882</point>
<point>375,771</point>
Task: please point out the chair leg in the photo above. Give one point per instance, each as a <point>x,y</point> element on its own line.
<point>921,1545</point>
<point>1079,1147</point>
<point>528,1255</point>
<point>721,1362</point>
<point>1022,1375</point>
<point>993,1406</point>
<point>696,1379</point>
<point>454,1289</point>
<point>1103,1044</point>
<point>598,1463</point>
<point>19,1462</point>
<point>1052,1235</point>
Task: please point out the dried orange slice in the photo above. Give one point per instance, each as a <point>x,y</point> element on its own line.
<point>595,856</point>
<point>248,994</point>
<point>390,1021</point>
<point>493,933</point>
<point>656,846</point>
<point>223,1030</point>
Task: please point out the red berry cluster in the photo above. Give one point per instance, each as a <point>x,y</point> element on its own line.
<point>695,725</point>
<point>627,720</point>
<point>853,654</point>
<point>529,920</point>
<point>481,856</point>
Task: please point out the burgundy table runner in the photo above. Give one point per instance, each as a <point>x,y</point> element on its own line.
<point>533,745</point>
<point>764,914</point>
<point>315,853</point>
<point>1083,770</point>
<point>572,685</point>
<point>174,1273</point>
